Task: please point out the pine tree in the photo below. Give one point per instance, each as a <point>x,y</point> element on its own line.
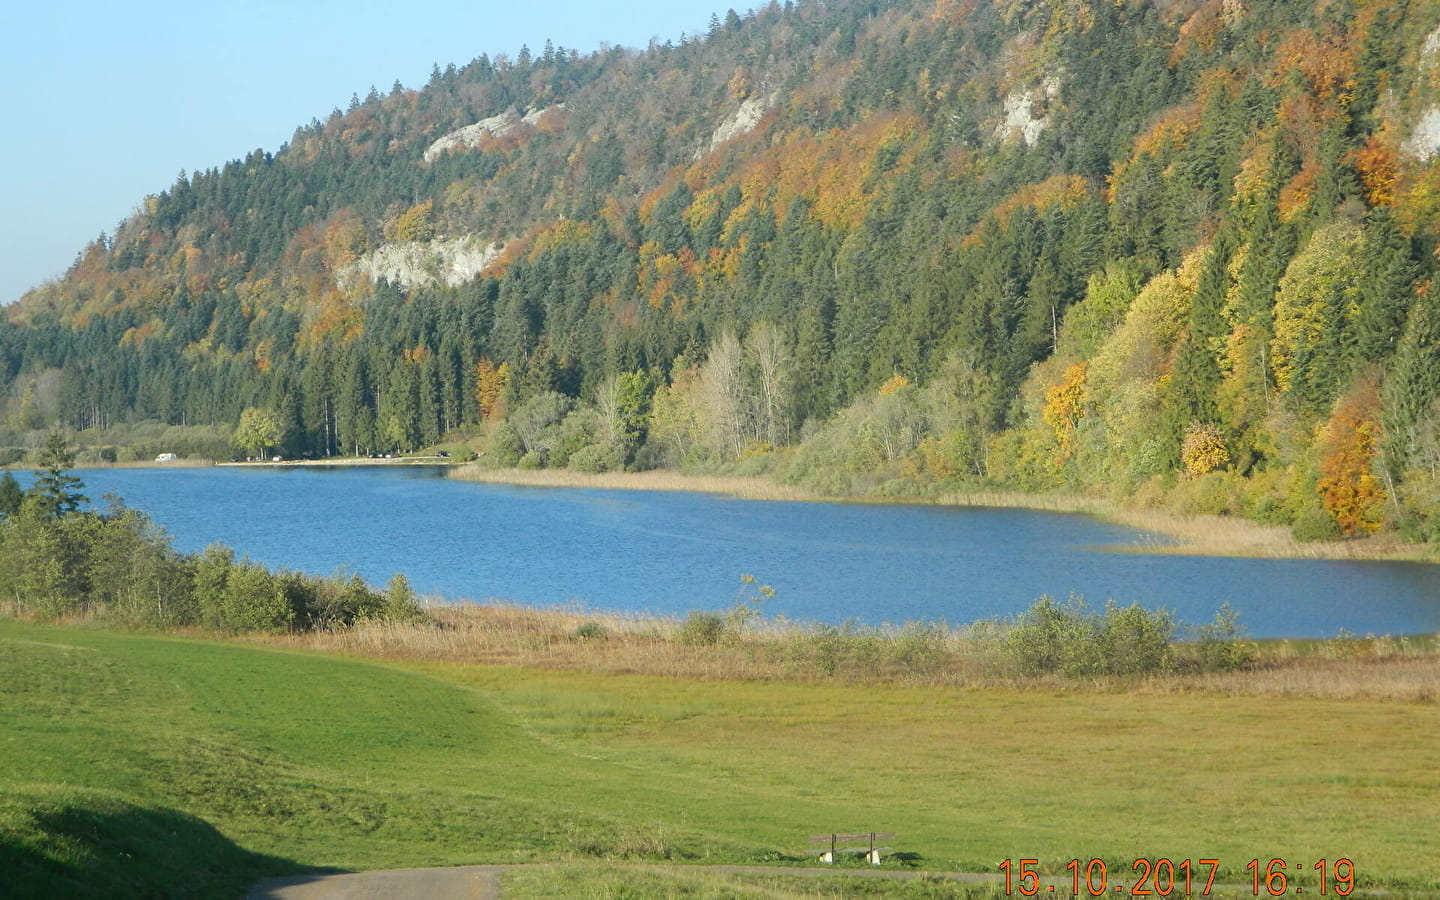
<point>56,492</point>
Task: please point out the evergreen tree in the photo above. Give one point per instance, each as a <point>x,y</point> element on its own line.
<point>11,495</point>
<point>56,492</point>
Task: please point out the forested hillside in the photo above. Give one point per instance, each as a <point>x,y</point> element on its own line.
<point>1181,250</point>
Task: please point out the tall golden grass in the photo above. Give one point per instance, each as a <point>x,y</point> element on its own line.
<point>744,486</point>
<point>1200,535</point>
<point>1384,668</point>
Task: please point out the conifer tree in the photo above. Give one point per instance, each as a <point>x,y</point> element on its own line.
<point>56,492</point>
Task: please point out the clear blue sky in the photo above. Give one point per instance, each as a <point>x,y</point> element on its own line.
<point>107,101</point>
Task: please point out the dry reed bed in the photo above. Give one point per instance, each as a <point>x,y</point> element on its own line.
<point>745,487</point>
<point>1200,535</point>
<point>1384,668</point>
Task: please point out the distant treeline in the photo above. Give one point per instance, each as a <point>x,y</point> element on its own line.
<point>59,559</point>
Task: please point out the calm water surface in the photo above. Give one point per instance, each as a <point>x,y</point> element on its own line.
<point>673,552</point>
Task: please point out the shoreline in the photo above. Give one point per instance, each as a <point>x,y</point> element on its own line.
<point>337,463</point>
<point>1193,535</point>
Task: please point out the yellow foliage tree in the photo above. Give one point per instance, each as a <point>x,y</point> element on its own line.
<point>1065,406</point>
<point>415,224</point>
<point>490,382</point>
<point>1203,449</point>
<point>896,383</point>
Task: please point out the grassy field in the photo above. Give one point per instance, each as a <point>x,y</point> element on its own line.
<point>267,760</point>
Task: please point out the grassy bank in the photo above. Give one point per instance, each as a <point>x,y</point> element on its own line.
<point>300,759</point>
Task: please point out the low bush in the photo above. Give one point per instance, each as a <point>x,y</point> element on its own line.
<point>1072,639</point>
<point>1220,645</point>
<point>702,629</point>
<point>1315,525</point>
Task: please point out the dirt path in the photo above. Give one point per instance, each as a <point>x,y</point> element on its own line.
<point>453,883</point>
<point>483,882</point>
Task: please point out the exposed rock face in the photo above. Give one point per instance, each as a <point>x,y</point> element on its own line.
<point>1425,139</point>
<point>415,264</point>
<point>471,135</point>
<point>742,120</point>
<point>1026,111</point>
<point>493,127</point>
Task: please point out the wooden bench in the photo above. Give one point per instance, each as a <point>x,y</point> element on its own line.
<point>863,842</point>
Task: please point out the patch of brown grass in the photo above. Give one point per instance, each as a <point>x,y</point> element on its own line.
<point>744,486</point>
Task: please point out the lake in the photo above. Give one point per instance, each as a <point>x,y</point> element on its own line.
<point>668,553</point>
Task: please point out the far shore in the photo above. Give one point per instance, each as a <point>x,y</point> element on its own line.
<point>1191,535</point>
<point>339,461</point>
<point>198,463</point>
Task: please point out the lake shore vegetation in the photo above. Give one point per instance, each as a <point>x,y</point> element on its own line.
<point>60,559</point>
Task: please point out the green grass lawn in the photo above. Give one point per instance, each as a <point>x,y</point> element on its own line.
<point>265,761</point>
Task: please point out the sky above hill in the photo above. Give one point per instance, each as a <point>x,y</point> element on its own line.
<point>108,101</point>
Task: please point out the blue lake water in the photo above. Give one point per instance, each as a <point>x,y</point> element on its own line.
<point>670,553</point>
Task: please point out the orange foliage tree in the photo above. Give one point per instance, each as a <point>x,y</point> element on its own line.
<point>1348,487</point>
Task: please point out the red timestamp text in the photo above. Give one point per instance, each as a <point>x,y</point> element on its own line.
<point>1164,877</point>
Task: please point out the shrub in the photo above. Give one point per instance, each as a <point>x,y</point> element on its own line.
<point>1134,640</point>
<point>605,457</point>
<point>702,629</point>
<point>1048,636</point>
<point>920,646</point>
<point>589,631</point>
<point>851,648</point>
<point>1315,525</point>
<point>1215,494</point>
<point>1220,645</point>
<point>1070,639</point>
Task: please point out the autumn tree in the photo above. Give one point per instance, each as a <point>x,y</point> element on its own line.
<point>1349,487</point>
<point>1203,449</point>
<point>490,383</point>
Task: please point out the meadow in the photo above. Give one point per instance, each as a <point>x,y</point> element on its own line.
<point>131,756</point>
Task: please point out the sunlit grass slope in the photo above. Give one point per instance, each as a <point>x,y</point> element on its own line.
<point>967,777</point>
<point>299,759</point>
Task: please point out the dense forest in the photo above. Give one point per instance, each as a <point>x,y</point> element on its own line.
<point>1181,251</point>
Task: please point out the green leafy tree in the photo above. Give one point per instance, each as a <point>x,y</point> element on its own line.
<point>400,603</point>
<point>258,431</point>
